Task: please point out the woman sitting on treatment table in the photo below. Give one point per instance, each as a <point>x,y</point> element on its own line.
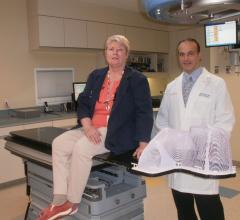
<point>115,115</point>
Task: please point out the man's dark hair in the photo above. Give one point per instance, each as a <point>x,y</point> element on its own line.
<point>190,40</point>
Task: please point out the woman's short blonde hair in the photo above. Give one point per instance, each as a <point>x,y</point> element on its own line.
<point>119,39</point>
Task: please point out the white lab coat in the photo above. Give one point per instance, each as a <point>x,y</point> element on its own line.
<point>208,104</point>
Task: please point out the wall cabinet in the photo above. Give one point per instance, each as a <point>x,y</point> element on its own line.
<point>147,40</point>
<point>51,26</point>
<point>51,31</point>
<point>96,35</point>
<point>11,166</point>
<point>66,123</point>
<point>115,29</point>
<point>75,33</point>
<point>58,32</point>
<point>45,31</point>
<point>38,125</point>
<point>141,39</point>
<point>162,41</point>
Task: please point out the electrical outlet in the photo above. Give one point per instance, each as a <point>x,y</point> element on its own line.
<point>6,103</point>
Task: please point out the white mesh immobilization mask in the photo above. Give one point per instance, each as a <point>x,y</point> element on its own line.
<point>203,151</point>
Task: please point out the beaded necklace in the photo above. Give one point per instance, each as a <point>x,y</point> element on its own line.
<point>109,96</point>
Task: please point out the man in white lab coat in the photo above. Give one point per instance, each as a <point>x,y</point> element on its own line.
<point>195,98</point>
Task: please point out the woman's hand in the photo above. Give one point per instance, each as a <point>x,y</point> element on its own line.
<point>140,149</point>
<point>92,134</point>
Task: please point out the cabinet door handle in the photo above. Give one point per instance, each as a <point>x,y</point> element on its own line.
<point>117,201</point>
<point>2,137</point>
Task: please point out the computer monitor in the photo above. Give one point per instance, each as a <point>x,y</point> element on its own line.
<point>221,34</point>
<point>78,87</point>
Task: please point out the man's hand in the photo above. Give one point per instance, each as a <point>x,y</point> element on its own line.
<point>140,149</point>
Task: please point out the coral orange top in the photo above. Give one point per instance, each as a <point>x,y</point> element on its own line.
<point>104,105</point>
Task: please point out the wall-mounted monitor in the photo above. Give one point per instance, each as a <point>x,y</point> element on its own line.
<point>53,85</point>
<point>221,34</point>
<point>78,87</point>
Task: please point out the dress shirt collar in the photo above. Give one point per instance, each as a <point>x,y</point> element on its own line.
<point>195,74</point>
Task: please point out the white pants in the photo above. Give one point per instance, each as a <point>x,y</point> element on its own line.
<point>72,156</point>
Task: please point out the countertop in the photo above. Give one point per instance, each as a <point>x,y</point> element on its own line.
<point>9,120</point>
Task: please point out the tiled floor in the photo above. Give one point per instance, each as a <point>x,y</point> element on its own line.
<point>157,206</point>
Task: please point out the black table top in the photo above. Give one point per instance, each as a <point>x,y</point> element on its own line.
<point>36,138</point>
<point>41,140</point>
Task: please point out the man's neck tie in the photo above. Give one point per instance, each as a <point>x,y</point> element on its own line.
<point>186,89</point>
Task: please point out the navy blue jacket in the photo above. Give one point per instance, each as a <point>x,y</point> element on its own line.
<point>131,118</point>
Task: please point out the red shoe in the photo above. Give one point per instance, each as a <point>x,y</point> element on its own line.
<point>74,209</point>
<point>53,212</point>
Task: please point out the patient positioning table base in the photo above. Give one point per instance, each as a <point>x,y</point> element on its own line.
<point>112,192</point>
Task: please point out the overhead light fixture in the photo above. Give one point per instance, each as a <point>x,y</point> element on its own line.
<point>191,11</point>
